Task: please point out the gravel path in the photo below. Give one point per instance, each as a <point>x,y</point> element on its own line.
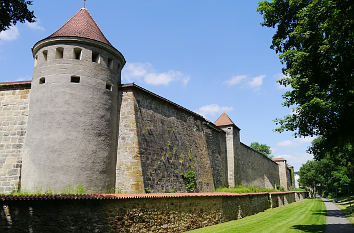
<point>336,221</point>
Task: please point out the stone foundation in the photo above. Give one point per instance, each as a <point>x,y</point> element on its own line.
<point>133,212</point>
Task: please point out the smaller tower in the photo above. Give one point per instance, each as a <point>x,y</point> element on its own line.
<point>232,145</point>
<point>283,170</point>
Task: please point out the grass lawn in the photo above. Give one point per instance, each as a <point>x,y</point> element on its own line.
<point>306,216</point>
<point>344,205</point>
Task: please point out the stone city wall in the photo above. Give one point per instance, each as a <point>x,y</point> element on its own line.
<point>160,144</point>
<point>167,144</point>
<point>131,213</point>
<point>289,178</point>
<point>14,100</point>
<point>255,169</point>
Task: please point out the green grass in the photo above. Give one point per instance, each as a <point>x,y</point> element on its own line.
<point>244,189</point>
<point>306,216</point>
<point>298,189</point>
<point>344,205</point>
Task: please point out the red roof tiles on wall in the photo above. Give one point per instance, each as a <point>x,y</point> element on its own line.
<point>223,120</point>
<point>130,196</point>
<point>278,159</point>
<point>81,25</point>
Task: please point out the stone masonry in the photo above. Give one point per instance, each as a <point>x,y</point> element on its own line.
<point>129,177</point>
<point>80,127</point>
<point>14,99</point>
<point>159,143</point>
<point>134,212</point>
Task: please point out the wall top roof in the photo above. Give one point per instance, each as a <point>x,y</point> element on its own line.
<point>81,25</point>
<point>132,196</point>
<point>224,120</point>
<point>15,85</point>
<point>278,159</point>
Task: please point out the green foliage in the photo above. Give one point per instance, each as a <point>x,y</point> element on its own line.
<point>298,189</point>
<point>148,190</point>
<point>262,148</point>
<point>314,40</point>
<point>245,189</point>
<point>12,11</point>
<point>328,176</point>
<point>305,216</point>
<point>78,190</point>
<point>189,179</point>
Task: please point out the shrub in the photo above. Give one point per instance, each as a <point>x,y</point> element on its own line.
<point>190,181</point>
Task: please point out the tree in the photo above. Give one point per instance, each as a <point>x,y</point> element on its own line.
<point>12,11</point>
<point>315,42</point>
<point>262,148</point>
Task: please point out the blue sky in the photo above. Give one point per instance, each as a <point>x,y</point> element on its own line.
<point>206,55</point>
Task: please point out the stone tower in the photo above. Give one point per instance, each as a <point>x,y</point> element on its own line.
<point>71,139</point>
<point>232,145</point>
<point>285,173</point>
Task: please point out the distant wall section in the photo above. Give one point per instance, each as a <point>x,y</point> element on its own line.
<point>172,142</point>
<point>255,169</point>
<point>14,101</point>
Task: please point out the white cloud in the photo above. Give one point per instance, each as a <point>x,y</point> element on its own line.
<point>212,110</point>
<point>35,26</point>
<point>24,78</point>
<point>235,80</point>
<point>285,143</point>
<point>256,81</point>
<point>297,160</point>
<point>10,34</point>
<point>252,82</point>
<point>145,72</point>
<point>295,142</point>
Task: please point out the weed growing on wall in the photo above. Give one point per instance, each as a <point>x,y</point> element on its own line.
<point>148,190</point>
<point>190,181</point>
<point>80,189</point>
<point>279,188</point>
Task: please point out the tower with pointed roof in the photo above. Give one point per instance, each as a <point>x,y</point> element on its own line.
<point>232,145</point>
<point>72,127</point>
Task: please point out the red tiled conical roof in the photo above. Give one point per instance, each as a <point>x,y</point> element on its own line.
<point>223,120</point>
<point>81,25</point>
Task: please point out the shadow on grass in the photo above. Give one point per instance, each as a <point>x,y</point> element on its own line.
<point>322,212</point>
<point>310,228</point>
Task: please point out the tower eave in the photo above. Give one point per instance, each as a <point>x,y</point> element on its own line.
<point>63,39</point>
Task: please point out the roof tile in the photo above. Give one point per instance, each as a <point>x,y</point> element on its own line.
<point>81,25</point>
<point>278,159</point>
<point>223,120</point>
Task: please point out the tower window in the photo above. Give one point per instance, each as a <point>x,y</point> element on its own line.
<point>59,53</point>
<point>109,86</point>
<point>110,63</point>
<point>42,80</point>
<point>118,67</point>
<point>77,53</point>
<point>45,55</point>
<point>75,79</point>
<point>95,57</point>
